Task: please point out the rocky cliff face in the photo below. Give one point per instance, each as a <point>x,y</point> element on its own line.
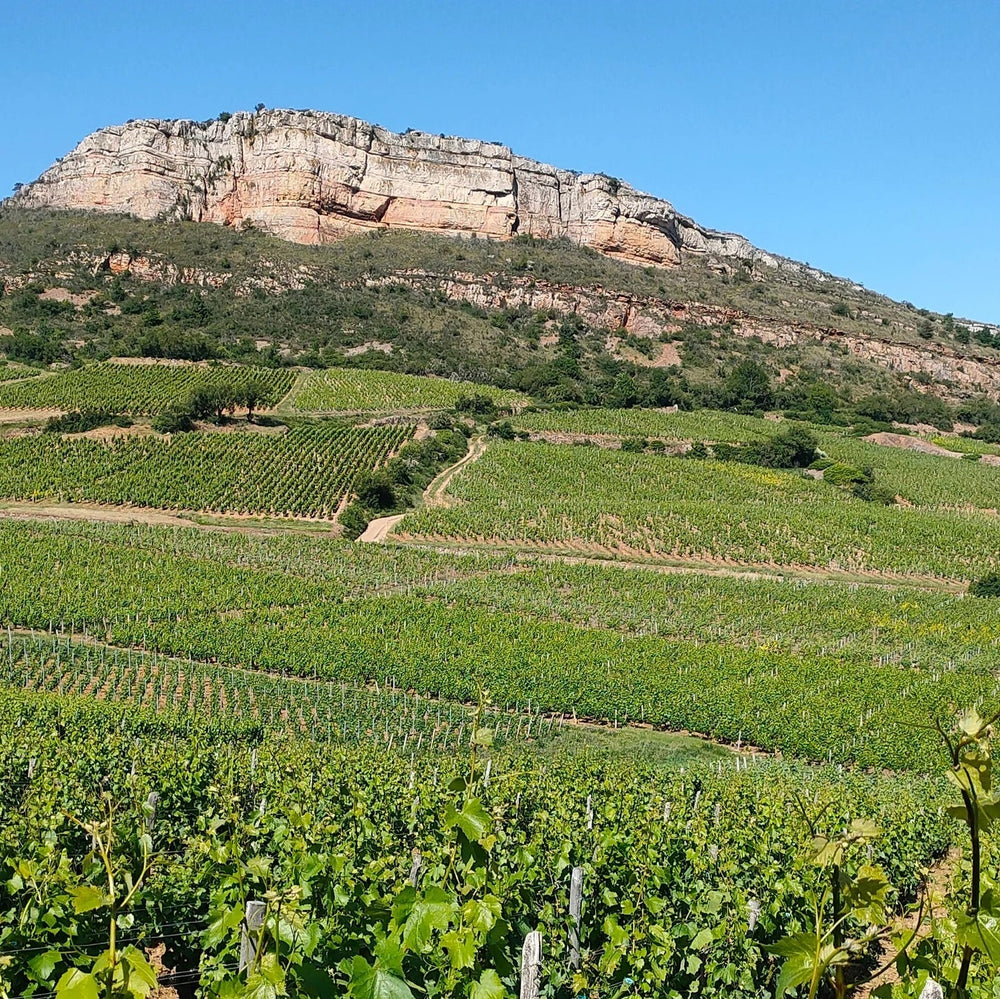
<point>313,177</point>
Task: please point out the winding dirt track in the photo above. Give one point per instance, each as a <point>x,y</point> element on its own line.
<point>436,494</point>
<point>380,528</point>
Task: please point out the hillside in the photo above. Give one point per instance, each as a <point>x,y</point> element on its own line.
<point>556,320</point>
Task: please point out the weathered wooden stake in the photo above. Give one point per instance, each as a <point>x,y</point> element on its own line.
<point>531,966</point>
<point>151,802</point>
<point>415,868</point>
<point>590,814</point>
<point>575,907</point>
<point>932,990</point>
<point>253,920</point>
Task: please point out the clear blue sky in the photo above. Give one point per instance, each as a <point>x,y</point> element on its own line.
<point>862,137</point>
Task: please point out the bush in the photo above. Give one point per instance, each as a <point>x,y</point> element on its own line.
<point>79,422</point>
<point>843,475</point>
<point>988,586</point>
<point>375,491</point>
<point>354,519</point>
<point>792,448</point>
<point>172,421</point>
<point>634,444</point>
<point>502,430</point>
<point>475,405</point>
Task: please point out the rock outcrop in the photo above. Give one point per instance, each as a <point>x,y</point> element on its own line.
<point>313,177</point>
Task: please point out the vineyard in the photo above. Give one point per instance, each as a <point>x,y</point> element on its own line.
<point>138,389</point>
<point>305,472</point>
<point>351,390</point>
<point>825,671</point>
<point>689,876</point>
<point>277,762</point>
<point>920,479</point>
<point>599,502</point>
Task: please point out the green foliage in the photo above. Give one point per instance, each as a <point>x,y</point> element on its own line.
<point>304,472</point>
<point>143,389</point>
<point>986,586</point>
<point>568,499</point>
<point>350,390</point>
<point>79,422</point>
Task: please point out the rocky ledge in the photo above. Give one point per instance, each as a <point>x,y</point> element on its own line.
<point>313,177</point>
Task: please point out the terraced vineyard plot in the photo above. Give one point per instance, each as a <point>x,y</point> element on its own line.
<point>304,473</point>
<point>920,479</point>
<point>139,389</point>
<point>438,628</point>
<point>592,501</point>
<point>237,700</point>
<point>866,623</point>
<point>8,374</point>
<point>350,390</point>
<point>702,424</point>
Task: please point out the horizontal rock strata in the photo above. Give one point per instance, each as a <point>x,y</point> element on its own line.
<point>313,177</point>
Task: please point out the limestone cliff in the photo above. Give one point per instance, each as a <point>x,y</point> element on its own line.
<point>313,177</point>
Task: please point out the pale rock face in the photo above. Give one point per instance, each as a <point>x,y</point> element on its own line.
<point>313,177</point>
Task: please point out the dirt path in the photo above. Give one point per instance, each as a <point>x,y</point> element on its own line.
<point>108,515</point>
<point>937,885</point>
<point>380,528</point>
<point>435,495</point>
<point>701,567</point>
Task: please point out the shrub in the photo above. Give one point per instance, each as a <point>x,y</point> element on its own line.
<point>79,422</point>
<point>375,491</point>
<point>502,430</point>
<point>172,421</point>
<point>844,475</point>
<point>475,405</point>
<point>988,586</point>
<point>634,444</point>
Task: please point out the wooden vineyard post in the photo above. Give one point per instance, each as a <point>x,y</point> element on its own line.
<point>253,920</point>
<point>531,966</point>
<point>415,868</point>
<point>151,802</point>
<point>575,908</point>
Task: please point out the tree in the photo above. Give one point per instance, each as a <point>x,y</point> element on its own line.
<point>748,388</point>
<point>251,394</point>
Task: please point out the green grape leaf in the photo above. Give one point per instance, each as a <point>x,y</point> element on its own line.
<point>141,975</point>
<point>982,934</point>
<point>76,985</point>
<point>799,951</point>
<point>489,986</point>
<point>44,964</point>
<point>220,927</point>
<point>865,895</point>
<point>473,820</point>
<point>87,897</point>
<point>461,948</point>
<point>482,913</point>
<point>432,912</point>
<point>367,982</point>
<point>701,940</point>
